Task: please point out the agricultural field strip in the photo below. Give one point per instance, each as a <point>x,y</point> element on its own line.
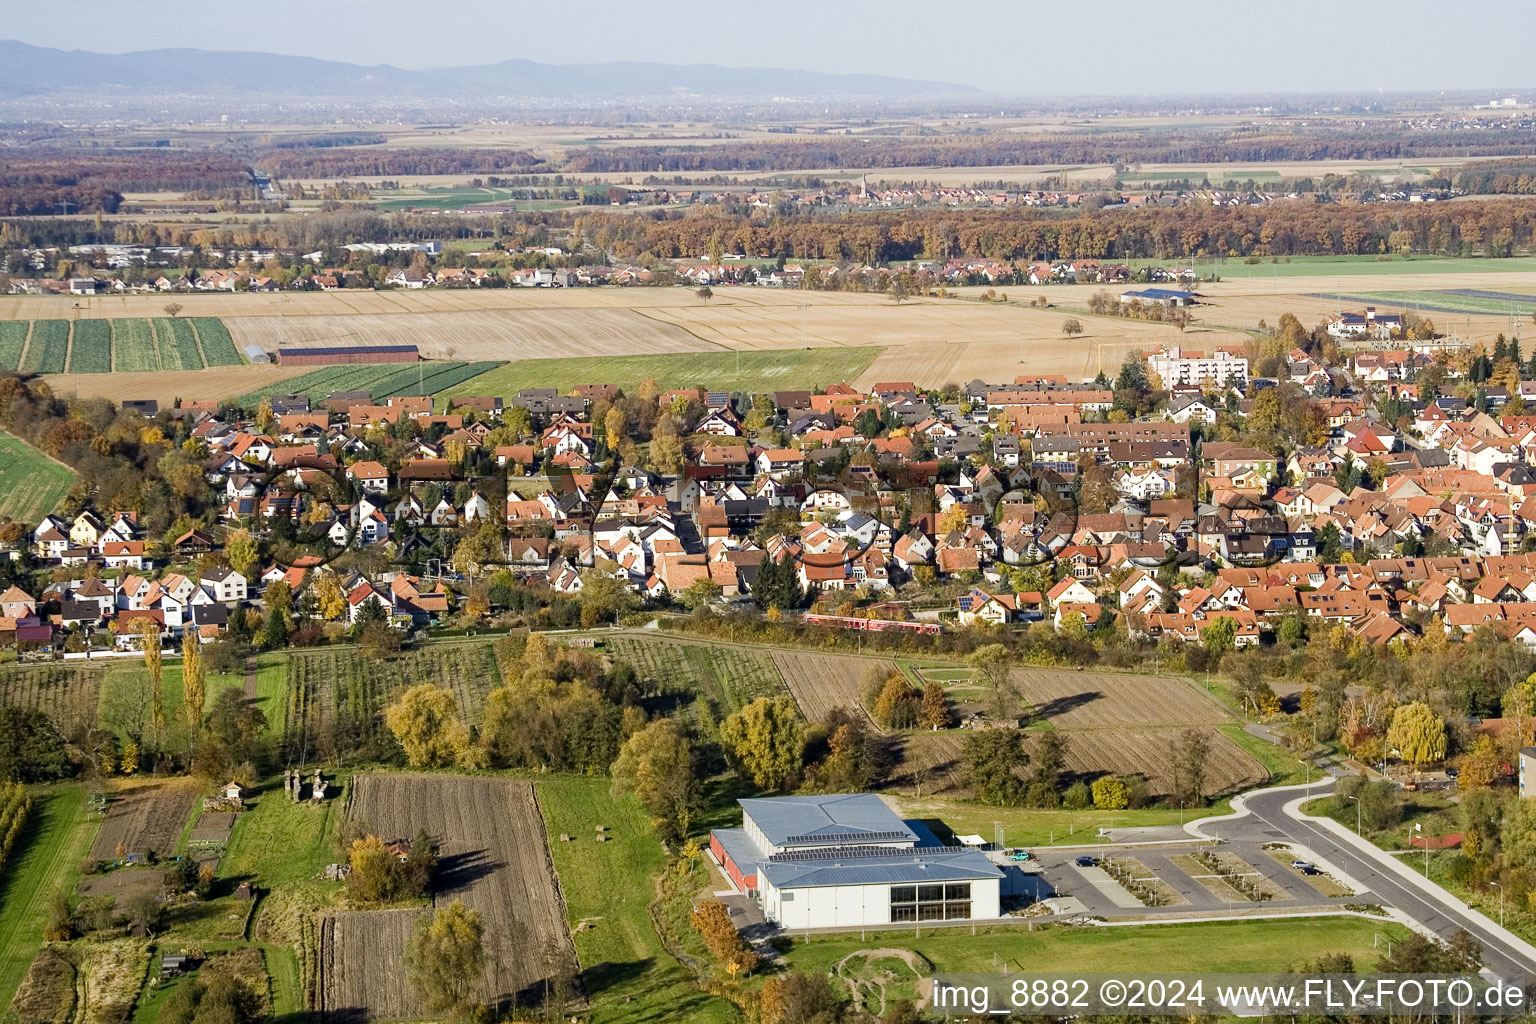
<point>730,676</point>
<point>133,346</point>
<point>91,349</point>
<point>381,380</point>
<point>1440,302</point>
<point>326,687</point>
<point>68,695</point>
<point>218,347</point>
<point>823,682</point>
<point>13,341</point>
<point>177,344</point>
<point>47,348</point>
<point>493,855</point>
<point>146,817</point>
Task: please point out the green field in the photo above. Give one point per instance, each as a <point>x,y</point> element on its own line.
<point>218,347</point>
<point>718,371</point>
<point>428,198</point>
<point>626,971</point>
<point>177,345</point>
<point>13,338</point>
<point>381,380</point>
<point>47,859</point>
<point>1449,302</point>
<point>133,345</point>
<point>91,349</point>
<point>1217,946</point>
<point>1341,266</point>
<point>31,484</point>
<point>46,350</point>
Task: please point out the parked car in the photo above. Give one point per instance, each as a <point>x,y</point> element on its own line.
<point>1305,867</point>
<point>1087,861</point>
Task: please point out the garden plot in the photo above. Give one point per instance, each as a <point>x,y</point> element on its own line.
<point>146,817</point>
<point>822,682</point>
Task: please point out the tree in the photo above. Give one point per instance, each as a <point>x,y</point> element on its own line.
<point>1110,793</point>
<point>993,662</point>
<point>240,550</point>
<point>712,920</point>
<point>171,309</point>
<point>990,758</point>
<point>194,688</point>
<point>778,585</point>
<point>766,741</point>
<point>935,709</point>
<point>235,724</point>
<point>1071,326</point>
<point>445,958</point>
<point>266,419</point>
<point>706,293</point>
<point>1047,761</point>
<point>375,875</point>
<point>1219,636</point>
<point>31,749</point>
<point>656,764</point>
<point>701,593</point>
<point>897,705</point>
<point>329,598</point>
<point>426,723</point>
<point>1191,751</point>
<point>1481,765</point>
<point>149,642</point>
<point>1417,734</point>
<point>898,290</point>
<point>794,998</point>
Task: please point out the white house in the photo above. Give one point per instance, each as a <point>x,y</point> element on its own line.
<point>224,585</point>
<point>847,861</point>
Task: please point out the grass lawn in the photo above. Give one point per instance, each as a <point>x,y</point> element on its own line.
<point>1029,826</point>
<point>31,484</point>
<point>271,691</point>
<point>626,971</point>
<point>47,858</point>
<point>1216,946</point>
<point>1284,769</point>
<point>720,371</point>
<point>277,841</point>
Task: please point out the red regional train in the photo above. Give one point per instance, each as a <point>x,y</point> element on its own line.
<point>872,625</point>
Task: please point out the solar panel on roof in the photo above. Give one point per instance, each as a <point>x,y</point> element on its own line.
<point>847,837</point>
<point>860,853</point>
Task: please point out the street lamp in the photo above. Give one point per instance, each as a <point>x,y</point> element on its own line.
<point>1501,902</point>
<point>1358,830</point>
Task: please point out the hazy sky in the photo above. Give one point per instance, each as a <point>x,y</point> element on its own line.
<point>1019,48</point>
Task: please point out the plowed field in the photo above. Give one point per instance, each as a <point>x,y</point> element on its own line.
<point>493,855</point>
<point>147,816</point>
<point>821,682</point>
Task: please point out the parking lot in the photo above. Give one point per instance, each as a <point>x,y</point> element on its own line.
<point>1183,878</point>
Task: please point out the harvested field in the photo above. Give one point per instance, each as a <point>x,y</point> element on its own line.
<point>490,334</point>
<point>68,695</point>
<point>166,387</point>
<point>47,993</point>
<point>1097,700</point>
<point>493,855</point>
<point>822,682</point>
<point>1150,752</point>
<point>147,816</point>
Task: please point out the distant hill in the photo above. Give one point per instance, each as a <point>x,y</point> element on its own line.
<point>27,70</point>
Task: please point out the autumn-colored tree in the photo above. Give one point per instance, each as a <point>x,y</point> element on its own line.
<point>329,597</point>
<point>935,709</point>
<point>445,958</point>
<point>1417,734</point>
<point>1110,793</point>
<point>1071,326</point>
<point>194,678</point>
<point>613,426</point>
<point>766,741</point>
<point>656,764</point>
<point>993,663</point>
<point>425,721</point>
<point>149,642</point>
<point>375,873</point>
<point>240,550</point>
<point>712,920</point>
<point>266,419</point>
<point>897,705</point>
<point>1481,766</point>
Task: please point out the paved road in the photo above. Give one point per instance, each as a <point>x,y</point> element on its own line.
<point>1268,820</point>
